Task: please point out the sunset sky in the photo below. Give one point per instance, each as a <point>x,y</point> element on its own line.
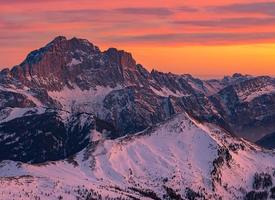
<point>203,38</point>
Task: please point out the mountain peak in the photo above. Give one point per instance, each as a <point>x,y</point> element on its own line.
<point>237,75</point>
<point>74,61</point>
<point>59,38</point>
<point>56,41</point>
<point>60,46</point>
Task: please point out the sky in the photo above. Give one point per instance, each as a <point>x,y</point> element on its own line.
<point>203,38</point>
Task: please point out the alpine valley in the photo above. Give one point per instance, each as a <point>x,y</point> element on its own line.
<point>80,123</point>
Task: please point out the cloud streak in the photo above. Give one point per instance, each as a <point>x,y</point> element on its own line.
<point>267,8</point>
<point>229,22</point>
<point>212,38</point>
<point>145,11</point>
<point>174,23</point>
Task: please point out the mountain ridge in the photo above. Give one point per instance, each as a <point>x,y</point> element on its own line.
<point>68,77</point>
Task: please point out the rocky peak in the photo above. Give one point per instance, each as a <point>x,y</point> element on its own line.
<point>77,62</point>
<point>124,58</point>
<point>55,61</point>
<point>61,46</point>
<point>237,75</point>
<point>59,39</point>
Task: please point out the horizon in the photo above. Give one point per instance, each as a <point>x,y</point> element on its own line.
<point>206,40</point>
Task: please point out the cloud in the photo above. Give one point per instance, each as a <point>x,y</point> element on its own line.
<point>267,8</point>
<point>157,11</point>
<point>197,38</point>
<point>24,38</point>
<point>29,1</point>
<point>84,15</point>
<point>229,22</point>
<point>132,24</point>
<point>105,15</point>
<point>89,15</point>
<point>187,9</point>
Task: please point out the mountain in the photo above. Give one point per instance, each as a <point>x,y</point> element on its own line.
<point>248,106</point>
<point>178,159</point>
<point>70,84</point>
<point>81,121</point>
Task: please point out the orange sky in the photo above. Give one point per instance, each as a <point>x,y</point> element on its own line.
<point>203,38</point>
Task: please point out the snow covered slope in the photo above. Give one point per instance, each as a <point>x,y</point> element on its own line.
<point>178,159</point>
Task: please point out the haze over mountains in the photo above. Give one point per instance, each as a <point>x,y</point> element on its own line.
<point>113,127</point>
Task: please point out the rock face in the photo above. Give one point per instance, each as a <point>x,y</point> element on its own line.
<point>77,88</point>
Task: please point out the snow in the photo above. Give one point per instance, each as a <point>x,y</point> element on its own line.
<point>25,92</point>
<point>250,95</point>
<point>180,150</point>
<point>74,62</point>
<point>95,136</point>
<point>88,101</point>
<point>13,113</point>
<point>212,87</point>
<point>8,114</point>
<point>165,92</point>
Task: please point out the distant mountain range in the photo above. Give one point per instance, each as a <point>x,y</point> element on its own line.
<point>104,126</point>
